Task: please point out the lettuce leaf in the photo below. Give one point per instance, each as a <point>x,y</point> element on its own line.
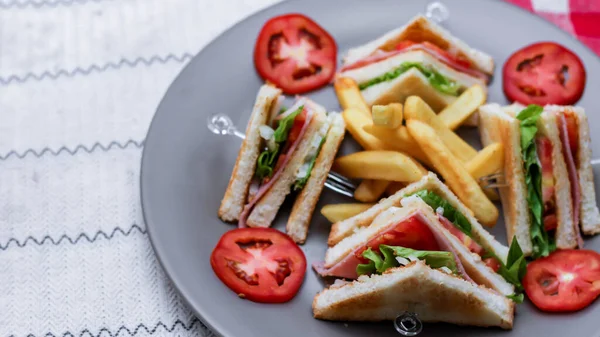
<point>457,218</point>
<point>386,259</point>
<point>542,243</point>
<point>516,297</point>
<point>440,82</point>
<point>299,184</point>
<point>516,266</point>
<point>266,161</point>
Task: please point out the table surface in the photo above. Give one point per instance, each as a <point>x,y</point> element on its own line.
<point>79,84</point>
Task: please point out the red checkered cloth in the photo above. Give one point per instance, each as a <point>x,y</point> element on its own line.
<point>581,18</point>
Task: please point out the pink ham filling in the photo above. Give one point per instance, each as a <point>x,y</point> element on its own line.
<point>347,266</point>
<point>381,55</point>
<point>574,179</point>
<point>265,187</point>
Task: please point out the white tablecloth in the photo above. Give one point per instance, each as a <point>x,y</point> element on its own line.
<point>79,84</point>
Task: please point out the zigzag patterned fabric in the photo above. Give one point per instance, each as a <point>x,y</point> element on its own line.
<point>79,83</point>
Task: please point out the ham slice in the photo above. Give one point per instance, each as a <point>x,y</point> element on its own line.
<point>473,246</point>
<point>381,55</point>
<point>573,178</point>
<point>265,187</point>
<point>347,266</point>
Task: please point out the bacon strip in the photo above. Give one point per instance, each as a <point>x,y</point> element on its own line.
<point>347,266</point>
<point>574,179</point>
<point>381,55</point>
<point>264,188</point>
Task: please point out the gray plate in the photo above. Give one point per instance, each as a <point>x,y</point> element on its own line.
<point>185,168</point>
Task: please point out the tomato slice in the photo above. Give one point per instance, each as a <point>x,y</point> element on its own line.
<point>295,53</point>
<point>259,264</point>
<point>572,133</point>
<point>410,233</point>
<point>492,263</point>
<point>296,127</point>
<point>544,73</point>
<point>473,246</point>
<point>566,280</point>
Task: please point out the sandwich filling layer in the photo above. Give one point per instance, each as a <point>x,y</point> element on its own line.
<point>569,136</point>
<point>541,185</point>
<point>354,264</point>
<point>316,143</point>
<point>438,81</point>
<point>281,140</point>
<point>443,56</point>
<point>543,243</point>
<point>459,226</point>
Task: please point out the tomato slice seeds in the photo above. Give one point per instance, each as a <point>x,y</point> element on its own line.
<point>259,264</point>
<point>566,280</point>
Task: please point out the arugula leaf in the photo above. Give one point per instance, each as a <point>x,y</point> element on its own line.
<point>266,162</point>
<point>542,245</point>
<point>517,298</point>
<point>285,125</point>
<point>435,201</point>
<point>267,159</point>
<point>374,264</point>
<point>516,266</point>
<point>299,184</point>
<point>386,259</point>
<point>440,82</point>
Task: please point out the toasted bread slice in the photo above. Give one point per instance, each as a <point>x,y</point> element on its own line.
<point>421,29</point>
<point>472,263</point>
<point>266,208</point>
<point>234,200</point>
<point>433,295</point>
<point>430,182</point>
<point>589,215</point>
<point>496,125</point>
<point>299,220</point>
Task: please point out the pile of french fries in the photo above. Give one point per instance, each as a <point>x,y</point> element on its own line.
<point>402,142</point>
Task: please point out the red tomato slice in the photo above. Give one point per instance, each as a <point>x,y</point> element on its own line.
<point>410,233</point>
<point>296,127</point>
<point>492,263</point>
<point>473,246</point>
<point>544,73</point>
<point>259,264</point>
<point>566,280</point>
<point>452,59</point>
<point>572,132</point>
<point>295,53</point>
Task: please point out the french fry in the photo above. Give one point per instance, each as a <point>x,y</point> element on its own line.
<point>416,109</point>
<point>355,121</point>
<point>381,165</point>
<point>370,190</point>
<point>465,105</point>
<point>356,114</point>
<point>388,116</point>
<point>349,95</point>
<point>454,173</point>
<point>339,212</point>
<point>398,139</point>
<point>488,161</point>
<point>394,187</point>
